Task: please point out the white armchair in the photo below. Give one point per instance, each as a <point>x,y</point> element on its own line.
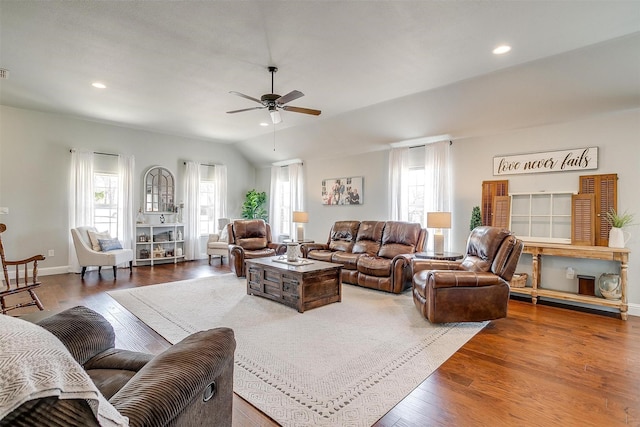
<point>218,243</point>
<point>87,256</point>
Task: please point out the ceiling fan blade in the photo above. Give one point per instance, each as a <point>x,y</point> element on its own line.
<point>301,110</point>
<point>245,109</point>
<point>294,94</point>
<point>246,96</point>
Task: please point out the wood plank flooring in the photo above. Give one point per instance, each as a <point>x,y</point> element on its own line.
<point>541,366</point>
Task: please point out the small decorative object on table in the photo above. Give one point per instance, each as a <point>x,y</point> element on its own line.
<point>519,280</point>
<point>292,252</point>
<point>144,253</point>
<point>610,286</point>
<point>162,219</point>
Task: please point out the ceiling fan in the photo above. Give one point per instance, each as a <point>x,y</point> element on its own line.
<point>276,102</point>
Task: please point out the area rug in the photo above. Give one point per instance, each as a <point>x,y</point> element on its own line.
<point>344,364</point>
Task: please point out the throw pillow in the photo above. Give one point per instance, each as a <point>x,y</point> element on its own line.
<point>224,235</point>
<point>109,244</point>
<point>94,236</point>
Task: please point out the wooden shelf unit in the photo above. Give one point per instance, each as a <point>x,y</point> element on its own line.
<point>537,250</point>
<point>152,233</point>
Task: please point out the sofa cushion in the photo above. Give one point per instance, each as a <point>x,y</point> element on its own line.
<point>259,253</point>
<point>343,235</point>
<point>369,237</point>
<point>321,255</point>
<point>347,259</point>
<point>374,265</point>
<point>399,238</point>
<point>109,244</point>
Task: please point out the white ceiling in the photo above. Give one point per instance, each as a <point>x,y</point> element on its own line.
<point>380,71</point>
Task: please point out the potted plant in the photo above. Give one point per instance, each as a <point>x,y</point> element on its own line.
<point>476,218</point>
<point>253,206</point>
<point>617,221</point>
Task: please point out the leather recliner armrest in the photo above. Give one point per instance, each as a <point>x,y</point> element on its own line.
<point>175,388</point>
<point>420,264</point>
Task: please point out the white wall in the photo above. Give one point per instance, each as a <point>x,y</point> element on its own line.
<point>34,171</point>
<point>616,135</point>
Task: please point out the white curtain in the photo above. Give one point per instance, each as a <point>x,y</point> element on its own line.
<point>126,206</point>
<point>438,181</point>
<point>296,191</point>
<point>398,181</point>
<point>191,211</point>
<point>275,202</point>
<point>220,183</point>
<point>81,198</point>
<point>290,177</point>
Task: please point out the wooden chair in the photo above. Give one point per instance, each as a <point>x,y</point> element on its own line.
<point>17,287</point>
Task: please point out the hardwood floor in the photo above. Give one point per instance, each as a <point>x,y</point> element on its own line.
<point>540,366</point>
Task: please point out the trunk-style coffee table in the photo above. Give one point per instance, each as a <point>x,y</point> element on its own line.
<point>304,285</point>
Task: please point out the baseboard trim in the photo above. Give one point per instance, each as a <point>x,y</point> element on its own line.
<point>634,310</point>
<point>48,271</point>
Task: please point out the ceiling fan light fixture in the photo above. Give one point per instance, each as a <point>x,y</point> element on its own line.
<point>275,116</point>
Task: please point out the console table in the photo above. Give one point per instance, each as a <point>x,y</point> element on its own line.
<point>538,250</point>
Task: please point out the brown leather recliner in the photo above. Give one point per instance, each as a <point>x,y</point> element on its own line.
<point>473,289</point>
<point>248,239</point>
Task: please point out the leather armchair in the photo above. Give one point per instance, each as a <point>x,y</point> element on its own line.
<point>189,384</point>
<point>473,289</point>
<point>249,239</point>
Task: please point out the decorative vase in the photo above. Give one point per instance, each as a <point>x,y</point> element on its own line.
<point>610,286</point>
<point>618,238</point>
<point>292,252</point>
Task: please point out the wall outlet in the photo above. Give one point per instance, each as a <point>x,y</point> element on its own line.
<point>570,273</point>
<point>51,252</point>
<point>4,211</point>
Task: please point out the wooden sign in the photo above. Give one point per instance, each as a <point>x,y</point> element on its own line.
<point>549,161</point>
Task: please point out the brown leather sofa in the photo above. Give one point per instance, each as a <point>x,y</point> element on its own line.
<point>189,384</point>
<point>473,289</point>
<point>374,254</point>
<point>248,239</point>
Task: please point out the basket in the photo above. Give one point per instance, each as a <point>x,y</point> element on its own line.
<point>519,280</point>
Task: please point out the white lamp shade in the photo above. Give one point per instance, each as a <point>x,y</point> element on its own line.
<point>439,219</point>
<point>300,217</point>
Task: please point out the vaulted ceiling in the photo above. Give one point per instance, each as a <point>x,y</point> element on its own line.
<point>380,71</point>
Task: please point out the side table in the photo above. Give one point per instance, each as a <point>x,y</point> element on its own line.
<point>445,256</point>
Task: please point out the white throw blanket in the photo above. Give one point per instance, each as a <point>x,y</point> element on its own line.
<point>35,364</point>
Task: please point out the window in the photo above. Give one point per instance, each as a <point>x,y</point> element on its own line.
<point>415,189</point>
<point>208,221</point>
<point>105,208</point>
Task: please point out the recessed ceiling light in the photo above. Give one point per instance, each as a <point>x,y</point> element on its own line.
<point>502,49</point>
<point>99,85</point>
<point>264,124</point>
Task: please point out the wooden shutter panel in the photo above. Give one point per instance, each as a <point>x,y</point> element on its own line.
<point>583,209</point>
<point>605,189</point>
<point>501,211</point>
<point>491,189</point>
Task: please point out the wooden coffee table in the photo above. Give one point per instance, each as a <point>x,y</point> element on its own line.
<point>302,286</point>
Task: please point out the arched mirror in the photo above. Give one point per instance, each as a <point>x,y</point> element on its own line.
<point>159,190</point>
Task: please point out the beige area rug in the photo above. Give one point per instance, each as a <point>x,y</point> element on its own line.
<point>344,364</point>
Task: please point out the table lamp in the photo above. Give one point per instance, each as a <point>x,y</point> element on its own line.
<point>438,221</point>
<point>300,218</point>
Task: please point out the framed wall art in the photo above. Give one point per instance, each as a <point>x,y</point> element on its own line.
<point>342,191</point>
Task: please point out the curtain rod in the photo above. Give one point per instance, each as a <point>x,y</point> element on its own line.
<point>424,145</point>
<point>205,164</point>
<point>97,152</point>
